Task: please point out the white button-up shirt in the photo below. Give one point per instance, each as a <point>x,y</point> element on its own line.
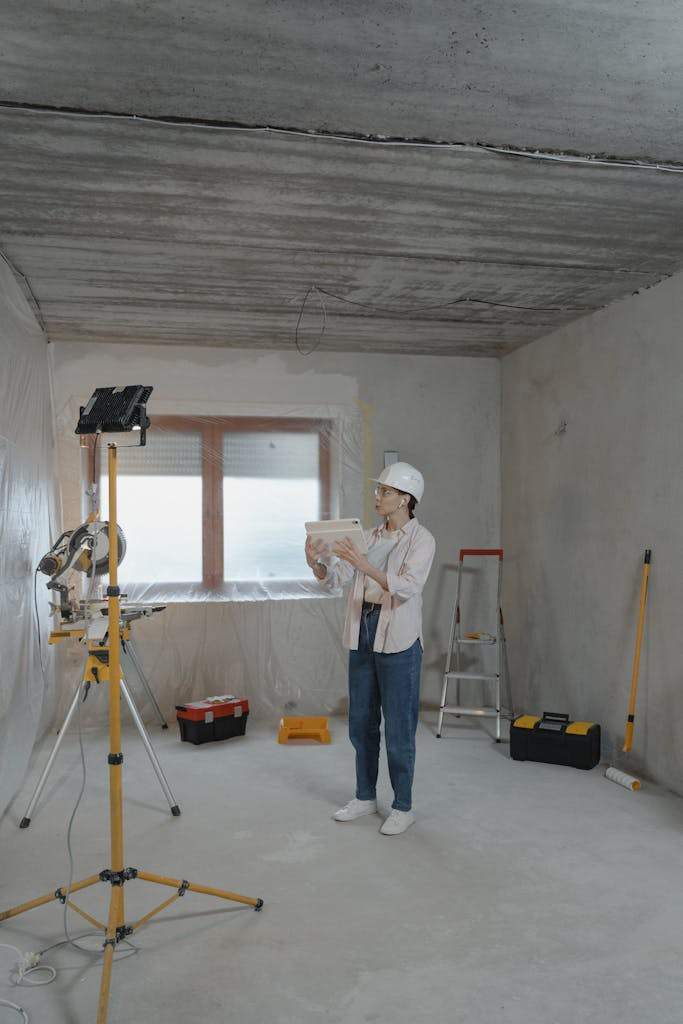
<point>400,618</point>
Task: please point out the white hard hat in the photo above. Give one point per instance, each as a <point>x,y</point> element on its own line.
<point>403,477</point>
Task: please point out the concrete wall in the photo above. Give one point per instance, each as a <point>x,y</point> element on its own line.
<point>591,450</point>
<point>440,413</point>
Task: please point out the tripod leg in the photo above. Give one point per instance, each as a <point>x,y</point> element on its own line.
<point>115,919</point>
<point>144,736</point>
<point>26,820</point>
<point>176,883</point>
<point>132,654</point>
<point>42,900</point>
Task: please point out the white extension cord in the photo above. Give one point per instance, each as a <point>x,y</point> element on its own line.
<point>26,964</point>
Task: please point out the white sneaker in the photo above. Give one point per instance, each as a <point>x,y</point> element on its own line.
<point>397,822</point>
<point>355,809</point>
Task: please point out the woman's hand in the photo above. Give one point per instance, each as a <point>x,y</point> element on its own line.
<point>347,550</point>
<point>316,550</point>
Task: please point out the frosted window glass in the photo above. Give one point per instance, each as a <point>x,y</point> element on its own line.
<point>167,453</point>
<point>273,454</point>
<point>161,517</point>
<point>271,486</point>
<point>159,490</point>
<point>263,527</point>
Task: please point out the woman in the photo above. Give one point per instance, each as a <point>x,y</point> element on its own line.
<point>383,631</point>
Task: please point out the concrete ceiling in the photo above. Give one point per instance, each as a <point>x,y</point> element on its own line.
<point>601,77</point>
<point>134,231</point>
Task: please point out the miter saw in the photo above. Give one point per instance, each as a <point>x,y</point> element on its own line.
<point>84,550</point>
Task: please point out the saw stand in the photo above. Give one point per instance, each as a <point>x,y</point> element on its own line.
<point>117,875</point>
<point>97,671</point>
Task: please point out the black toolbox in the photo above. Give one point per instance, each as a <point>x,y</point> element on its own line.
<point>553,739</point>
<point>215,718</point>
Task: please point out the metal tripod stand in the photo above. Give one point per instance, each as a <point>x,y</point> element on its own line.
<point>117,927</point>
<point>130,667</point>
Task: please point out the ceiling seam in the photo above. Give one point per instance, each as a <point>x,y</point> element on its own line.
<point>501,148</point>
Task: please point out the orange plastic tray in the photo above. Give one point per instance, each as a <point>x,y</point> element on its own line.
<point>307,728</point>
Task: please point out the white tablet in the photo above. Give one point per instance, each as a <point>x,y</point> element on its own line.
<point>329,531</point>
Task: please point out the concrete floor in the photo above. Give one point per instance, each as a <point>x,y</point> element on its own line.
<point>524,893</point>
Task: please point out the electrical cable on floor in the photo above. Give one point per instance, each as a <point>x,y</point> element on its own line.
<point>19,1009</point>
<point>118,955</point>
<point>26,964</point>
<point>29,963</point>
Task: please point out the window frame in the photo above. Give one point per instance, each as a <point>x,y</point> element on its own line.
<point>212,429</point>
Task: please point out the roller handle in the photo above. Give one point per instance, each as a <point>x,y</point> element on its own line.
<point>630,720</point>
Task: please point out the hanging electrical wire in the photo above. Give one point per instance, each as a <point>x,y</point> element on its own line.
<point>407,310</point>
<point>444,305</point>
<point>310,351</point>
<point>30,293</point>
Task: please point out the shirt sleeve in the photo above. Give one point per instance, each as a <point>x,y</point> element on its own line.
<point>338,573</point>
<point>413,574</point>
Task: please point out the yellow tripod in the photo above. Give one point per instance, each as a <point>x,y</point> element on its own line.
<point>117,875</point>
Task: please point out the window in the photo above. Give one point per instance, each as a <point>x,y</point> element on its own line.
<point>215,500</point>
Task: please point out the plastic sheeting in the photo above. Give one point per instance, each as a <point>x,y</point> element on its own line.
<point>27,485</point>
<point>213,509</point>
<point>286,657</point>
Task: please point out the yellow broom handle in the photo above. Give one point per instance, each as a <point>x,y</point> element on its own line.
<point>628,736</point>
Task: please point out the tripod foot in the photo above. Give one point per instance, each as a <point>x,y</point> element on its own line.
<point>175,811</point>
<point>165,725</point>
<point>24,823</point>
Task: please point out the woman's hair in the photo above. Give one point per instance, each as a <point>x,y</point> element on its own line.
<point>412,502</point>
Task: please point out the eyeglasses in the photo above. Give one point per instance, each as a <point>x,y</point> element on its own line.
<point>385,492</point>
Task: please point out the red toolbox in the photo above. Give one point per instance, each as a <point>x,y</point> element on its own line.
<point>214,718</point>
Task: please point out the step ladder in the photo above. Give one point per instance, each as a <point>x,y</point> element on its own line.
<point>456,643</point>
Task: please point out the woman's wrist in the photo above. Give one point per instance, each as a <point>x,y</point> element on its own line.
<point>377,575</point>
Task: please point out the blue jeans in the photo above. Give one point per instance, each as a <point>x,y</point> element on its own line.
<point>386,684</point>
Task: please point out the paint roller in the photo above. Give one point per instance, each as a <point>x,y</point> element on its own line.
<point>612,773</point>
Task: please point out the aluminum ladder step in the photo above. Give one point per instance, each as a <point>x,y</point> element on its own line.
<point>471,675</point>
<point>474,712</point>
<point>490,643</point>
